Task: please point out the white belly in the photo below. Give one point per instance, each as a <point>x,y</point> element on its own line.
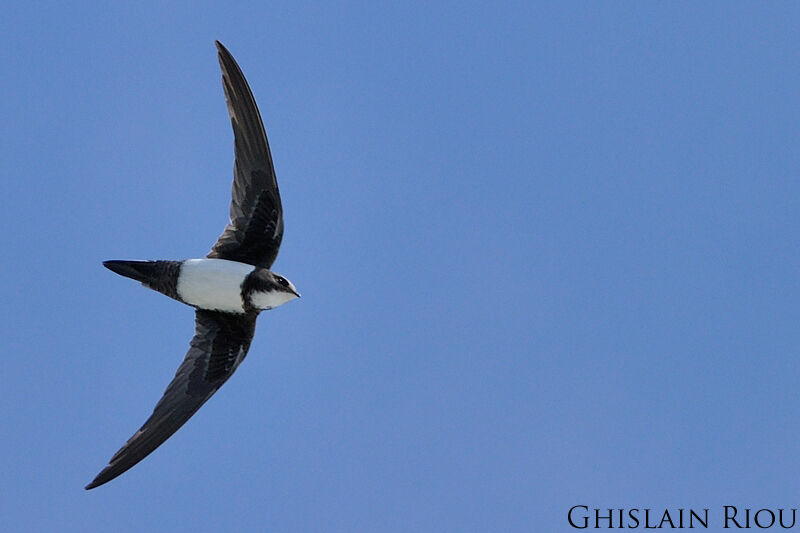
<point>213,284</point>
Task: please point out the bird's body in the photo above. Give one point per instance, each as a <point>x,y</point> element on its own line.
<point>228,288</point>
<point>215,284</point>
<point>211,284</point>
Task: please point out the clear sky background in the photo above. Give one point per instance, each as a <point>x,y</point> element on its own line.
<point>548,254</point>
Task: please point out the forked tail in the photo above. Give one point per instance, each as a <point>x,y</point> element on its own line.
<point>161,276</point>
<point>144,271</point>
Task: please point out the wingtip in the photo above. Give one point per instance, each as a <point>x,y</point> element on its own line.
<point>102,478</point>
<point>223,56</point>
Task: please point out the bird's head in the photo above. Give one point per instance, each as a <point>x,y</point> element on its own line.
<point>266,290</point>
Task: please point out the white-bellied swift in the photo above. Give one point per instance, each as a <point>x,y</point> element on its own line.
<point>228,288</point>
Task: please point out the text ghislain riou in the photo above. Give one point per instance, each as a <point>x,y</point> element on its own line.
<point>729,516</point>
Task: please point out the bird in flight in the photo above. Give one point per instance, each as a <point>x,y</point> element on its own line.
<point>228,288</point>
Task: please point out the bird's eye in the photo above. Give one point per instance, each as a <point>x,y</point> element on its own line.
<point>282,281</point>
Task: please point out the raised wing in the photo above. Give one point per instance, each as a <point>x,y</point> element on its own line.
<point>255,231</point>
<point>220,343</point>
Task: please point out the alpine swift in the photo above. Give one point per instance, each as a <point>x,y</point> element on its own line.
<point>228,288</point>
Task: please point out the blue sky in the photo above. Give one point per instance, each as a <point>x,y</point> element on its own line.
<point>548,255</point>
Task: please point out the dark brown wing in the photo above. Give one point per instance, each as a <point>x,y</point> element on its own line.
<point>255,231</point>
<point>220,343</point>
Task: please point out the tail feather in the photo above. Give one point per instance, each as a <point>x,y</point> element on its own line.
<point>161,276</point>
<point>143,271</point>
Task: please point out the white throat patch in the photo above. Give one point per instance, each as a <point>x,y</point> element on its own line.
<point>270,300</point>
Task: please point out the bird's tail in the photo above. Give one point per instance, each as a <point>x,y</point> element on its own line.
<point>144,271</point>
<point>161,276</point>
